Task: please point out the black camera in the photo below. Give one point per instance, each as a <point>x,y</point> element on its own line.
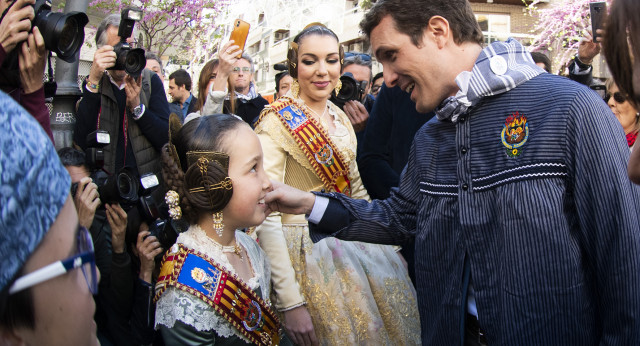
<point>123,187</point>
<point>351,90</point>
<point>62,33</point>
<point>132,60</point>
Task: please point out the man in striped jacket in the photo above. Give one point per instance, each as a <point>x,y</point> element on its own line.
<point>525,223</point>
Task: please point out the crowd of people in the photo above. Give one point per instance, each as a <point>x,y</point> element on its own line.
<point>449,202</point>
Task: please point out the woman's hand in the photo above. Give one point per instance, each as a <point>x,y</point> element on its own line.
<point>297,323</point>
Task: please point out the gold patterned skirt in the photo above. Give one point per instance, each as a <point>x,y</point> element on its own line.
<point>357,293</point>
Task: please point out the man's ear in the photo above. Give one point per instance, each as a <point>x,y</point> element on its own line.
<point>438,30</point>
<point>8,337</point>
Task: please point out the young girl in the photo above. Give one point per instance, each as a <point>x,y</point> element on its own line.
<point>213,287</point>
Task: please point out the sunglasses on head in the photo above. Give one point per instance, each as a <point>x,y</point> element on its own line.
<point>617,96</point>
<point>363,56</point>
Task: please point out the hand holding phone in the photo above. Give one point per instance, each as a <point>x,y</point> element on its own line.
<point>239,34</point>
<point>598,11</point>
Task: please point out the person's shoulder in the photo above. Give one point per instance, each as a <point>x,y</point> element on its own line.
<point>259,100</point>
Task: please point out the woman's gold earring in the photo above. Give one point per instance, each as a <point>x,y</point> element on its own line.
<point>338,87</point>
<point>217,223</point>
<point>295,88</point>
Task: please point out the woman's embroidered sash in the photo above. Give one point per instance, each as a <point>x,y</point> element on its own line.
<point>314,141</point>
<point>193,272</point>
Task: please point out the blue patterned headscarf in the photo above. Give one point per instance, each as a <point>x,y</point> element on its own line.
<point>33,186</point>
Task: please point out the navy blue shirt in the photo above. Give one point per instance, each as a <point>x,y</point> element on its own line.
<point>550,232</point>
<point>384,149</point>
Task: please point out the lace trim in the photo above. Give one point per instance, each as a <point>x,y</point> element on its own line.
<point>178,305</point>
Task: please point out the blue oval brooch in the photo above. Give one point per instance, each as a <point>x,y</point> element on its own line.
<point>515,133</point>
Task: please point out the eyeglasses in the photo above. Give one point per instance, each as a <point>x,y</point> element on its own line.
<point>84,259</point>
<point>617,96</point>
<point>244,69</point>
<point>363,56</point>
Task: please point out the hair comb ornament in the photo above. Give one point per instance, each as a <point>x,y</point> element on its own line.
<point>173,202</point>
<point>195,157</point>
<point>202,159</point>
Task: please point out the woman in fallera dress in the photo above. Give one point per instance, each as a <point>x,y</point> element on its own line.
<point>332,292</point>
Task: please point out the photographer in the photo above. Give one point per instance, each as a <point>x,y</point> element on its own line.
<point>134,111</point>
<point>25,85</point>
<point>123,302</point>
<point>359,65</point>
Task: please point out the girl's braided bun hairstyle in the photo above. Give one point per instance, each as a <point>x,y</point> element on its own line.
<point>195,163</point>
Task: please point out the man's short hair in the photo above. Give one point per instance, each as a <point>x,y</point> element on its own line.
<point>181,77</point>
<point>72,157</point>
<point>376,77</point>
<point>154,56</point>
<point>541,58</point>
<point>411,17</point>
<point>357,59</point>
<point>278,78</point>
<point>247,57</point>
<point>110,20</point>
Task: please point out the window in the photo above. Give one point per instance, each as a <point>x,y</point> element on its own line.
<point>280,35</point>
<point>495,27</point>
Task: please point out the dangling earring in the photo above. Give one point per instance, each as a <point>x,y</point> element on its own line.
<point>217,223</point>
<point>338,87</point>
<point>295,88</point>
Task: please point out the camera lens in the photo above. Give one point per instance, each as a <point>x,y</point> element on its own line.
<point>68,35</point>
<point>118,188</point>
<point>135,62</point>
<point>127,187</point>
<point>62,33</point>
<point>347,91</point>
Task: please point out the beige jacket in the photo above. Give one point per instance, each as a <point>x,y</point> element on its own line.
<point>284,161</point>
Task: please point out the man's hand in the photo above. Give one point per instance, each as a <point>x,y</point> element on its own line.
<point>117,218</point>
<point>32,59</point>
<point>16,24</point>
<point>297,323</point>
<point>357,114</point>
<point>227,55</point>
<point>287,199</point>
<point>87,201</point>
<point>103,58</point>
<point>132,87</point>
<point>148,248</point>
<point>587,50</point>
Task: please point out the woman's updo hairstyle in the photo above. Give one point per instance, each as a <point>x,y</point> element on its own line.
<point>195,163</point>
<point>311,29</point>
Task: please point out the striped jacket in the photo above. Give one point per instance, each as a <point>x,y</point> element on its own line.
<point>529,191</point>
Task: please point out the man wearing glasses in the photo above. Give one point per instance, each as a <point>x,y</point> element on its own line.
<point>248,103</point>
<point>48,274</point>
